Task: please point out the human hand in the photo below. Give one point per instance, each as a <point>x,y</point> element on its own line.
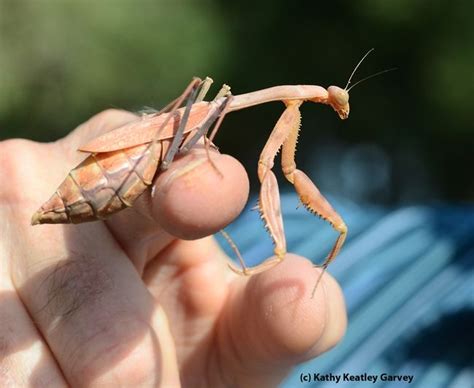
<point>125,302</point>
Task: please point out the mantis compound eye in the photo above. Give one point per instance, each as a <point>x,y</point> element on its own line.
<point>338,96</point>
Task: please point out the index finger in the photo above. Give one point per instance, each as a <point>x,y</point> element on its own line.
<point>191,200</point>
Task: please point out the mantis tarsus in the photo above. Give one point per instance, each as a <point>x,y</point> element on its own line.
<point>123,163</point>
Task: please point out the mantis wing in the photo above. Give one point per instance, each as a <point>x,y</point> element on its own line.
<point>144,130</point>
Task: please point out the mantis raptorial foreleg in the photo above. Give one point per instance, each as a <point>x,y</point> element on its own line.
<point>285,135</point>
<point>269,198</point>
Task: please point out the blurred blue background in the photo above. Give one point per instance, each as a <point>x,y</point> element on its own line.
<point>407,274</point>
<point>398,170</point>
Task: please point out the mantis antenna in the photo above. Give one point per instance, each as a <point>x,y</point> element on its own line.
<point>368,77</point>
<point>372,76</point>
<point>357,66</point>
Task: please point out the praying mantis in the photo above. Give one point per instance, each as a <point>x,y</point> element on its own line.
<point>124,163</point>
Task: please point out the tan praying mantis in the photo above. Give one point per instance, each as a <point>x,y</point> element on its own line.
<point>125,162</point>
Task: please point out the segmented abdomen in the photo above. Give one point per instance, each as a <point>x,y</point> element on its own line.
<point>101,185</point>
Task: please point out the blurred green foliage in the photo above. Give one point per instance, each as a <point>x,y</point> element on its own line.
<point>63,61</point>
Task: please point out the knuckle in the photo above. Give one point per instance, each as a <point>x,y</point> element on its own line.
<point>111,118</point>
<point>97,125</point>
<point>12,147</point>
<point>15,166</point>
<point>109,113</point>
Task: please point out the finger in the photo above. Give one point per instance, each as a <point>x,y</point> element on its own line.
<point>193,274</point>
<point>90,305</point>
<point>282,325</point>
<point>189,201</point>
<point>24,357</point>
<point>25,360</point>
<point>194,200</point>
<point>80,289</point>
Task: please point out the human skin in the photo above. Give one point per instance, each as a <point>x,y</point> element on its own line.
<point>127,303</point>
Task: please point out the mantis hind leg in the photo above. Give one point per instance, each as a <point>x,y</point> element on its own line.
<point>218,115</point>
<point>191,93</point>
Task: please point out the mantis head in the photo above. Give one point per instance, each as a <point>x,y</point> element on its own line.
<point>338,98</point>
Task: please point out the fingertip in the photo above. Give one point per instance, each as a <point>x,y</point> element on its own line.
<point>336,316</point>
<point>294,326</point>
<point>193,199</point>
